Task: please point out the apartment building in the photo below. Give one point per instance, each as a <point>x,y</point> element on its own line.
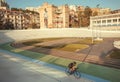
<point>19,19</point>
<point>54,17</point>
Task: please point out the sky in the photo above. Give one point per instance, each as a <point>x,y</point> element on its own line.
<point>113,4</point>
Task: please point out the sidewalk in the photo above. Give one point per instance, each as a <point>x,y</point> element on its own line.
<point>54,71</point>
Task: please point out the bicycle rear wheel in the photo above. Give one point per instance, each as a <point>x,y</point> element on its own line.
<point>67,71</point>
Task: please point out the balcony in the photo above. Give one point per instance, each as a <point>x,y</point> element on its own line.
<point>58,11</point>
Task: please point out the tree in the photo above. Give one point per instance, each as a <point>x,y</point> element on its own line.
<point>80,18</point>
<point>24,11</point>
<point>8,25</point>
<point>34,26</point>
<point>95,13</point>
<point>88,13</point>
<point>14,9</point>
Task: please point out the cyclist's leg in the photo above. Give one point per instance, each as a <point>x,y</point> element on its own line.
<point>68,72</point>
<point>72,71</point>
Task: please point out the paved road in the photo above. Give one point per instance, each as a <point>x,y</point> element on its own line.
<point>14,68</point>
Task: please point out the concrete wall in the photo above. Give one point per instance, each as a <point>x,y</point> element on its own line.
<point>17,35</point>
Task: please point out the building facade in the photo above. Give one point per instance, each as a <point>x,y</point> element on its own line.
<point>3,4</point>
<point>107,21</point>
<point>18,19</point>
<point>54,17</point>
<point>15,18</point>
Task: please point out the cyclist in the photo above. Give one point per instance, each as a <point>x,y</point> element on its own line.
<point>72,67</point>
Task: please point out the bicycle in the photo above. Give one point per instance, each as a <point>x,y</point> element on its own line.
<point>75,73</point>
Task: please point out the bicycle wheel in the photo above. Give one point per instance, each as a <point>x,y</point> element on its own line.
<point>77,74</point>
<point>67,71</point>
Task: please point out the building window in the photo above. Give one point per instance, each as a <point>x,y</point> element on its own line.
<point>109,21</point>
<point>103,21</point>
<point>114,20</point>
<point>94,22</point>
<point>119,20</point>
<point>98,22</point>
<point>7,16</point>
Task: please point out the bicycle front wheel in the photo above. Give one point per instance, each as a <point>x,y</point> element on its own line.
<point>77,74</point>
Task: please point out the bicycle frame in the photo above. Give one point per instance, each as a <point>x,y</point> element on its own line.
<point>75,73</point>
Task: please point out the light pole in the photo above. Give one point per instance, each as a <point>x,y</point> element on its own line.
<point>92,35</point>
<point>98,28</point>
<point>93,32</point>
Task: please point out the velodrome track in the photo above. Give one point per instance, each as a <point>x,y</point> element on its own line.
<point>15,69</point>
<point>18,35</point>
